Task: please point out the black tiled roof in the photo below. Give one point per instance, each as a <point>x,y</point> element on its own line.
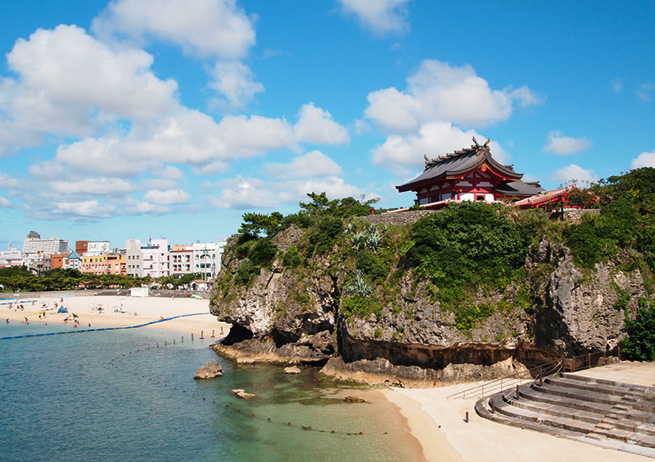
<point>458,163</point>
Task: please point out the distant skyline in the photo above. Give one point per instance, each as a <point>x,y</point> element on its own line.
<point>128,118</point>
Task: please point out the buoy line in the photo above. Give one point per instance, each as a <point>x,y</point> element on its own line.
<point>99,329</point>
<point>235,409</point>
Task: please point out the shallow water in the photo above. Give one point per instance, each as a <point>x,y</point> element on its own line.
<point>116,395</point>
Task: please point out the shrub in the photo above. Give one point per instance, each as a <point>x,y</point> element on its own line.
<point>640,343</point>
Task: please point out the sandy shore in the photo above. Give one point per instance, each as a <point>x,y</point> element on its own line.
<point>117,311</point>
<point>438,423</point>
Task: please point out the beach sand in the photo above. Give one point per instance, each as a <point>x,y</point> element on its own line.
<point>438,423</point>
<point>119,311</point>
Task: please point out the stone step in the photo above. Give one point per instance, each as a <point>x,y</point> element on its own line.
<point>619,391</point>
<point>605,415</point>
<point>557,410</point>
<point>582,378</point>
<point>511,411</point>
<point>537,394</point>
<point>581,395</point>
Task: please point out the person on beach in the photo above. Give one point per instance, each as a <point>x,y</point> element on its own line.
<point>7,320</point>
<point>27,321</point>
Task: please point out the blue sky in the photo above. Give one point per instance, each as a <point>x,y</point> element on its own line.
<point>172,118</point>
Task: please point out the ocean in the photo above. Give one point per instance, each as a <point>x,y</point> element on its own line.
<point>130,395</point>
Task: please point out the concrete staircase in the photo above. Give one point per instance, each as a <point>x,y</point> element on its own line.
<point>602,412</point>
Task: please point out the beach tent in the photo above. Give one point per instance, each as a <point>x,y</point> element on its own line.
<point>62,310</point>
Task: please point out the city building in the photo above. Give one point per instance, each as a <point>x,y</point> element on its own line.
<point>152,259</point>
<point>198,258</point>
<point>35,245</point>
<point>207,258</point>
<point>73,261</point>
<point>181,260</point>
<point>106,263</point>
<point>11,257</point>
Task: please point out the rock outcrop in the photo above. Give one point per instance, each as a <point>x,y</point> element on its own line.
<point>209,371</point>
<point>293,315</point>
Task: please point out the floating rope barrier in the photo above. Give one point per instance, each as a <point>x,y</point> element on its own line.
<point>231,407</point>
<point>79,331</point>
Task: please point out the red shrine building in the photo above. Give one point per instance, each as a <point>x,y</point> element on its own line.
<point>470,174</point>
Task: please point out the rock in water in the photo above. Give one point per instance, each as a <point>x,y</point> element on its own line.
<point>292,370</point>
<point>240,393</point>
<point>353,399</point>
<point>209,371</point>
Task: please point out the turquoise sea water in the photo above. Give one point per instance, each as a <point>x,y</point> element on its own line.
<point>117,396</point>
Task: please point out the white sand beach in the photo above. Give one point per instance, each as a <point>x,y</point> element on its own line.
<point>118,311</point>
<point>438,423</point>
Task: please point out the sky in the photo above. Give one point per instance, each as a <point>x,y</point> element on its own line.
<point>172,118</point>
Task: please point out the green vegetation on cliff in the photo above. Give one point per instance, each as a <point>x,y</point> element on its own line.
<point>468,260</point>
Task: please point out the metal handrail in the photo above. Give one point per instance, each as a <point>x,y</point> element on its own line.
<point>533,374</point>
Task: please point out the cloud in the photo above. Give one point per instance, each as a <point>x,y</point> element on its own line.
<point>562,145</point>
<point>4,202</point>
<point>92,187</point>
<point>617,85</point>
<point>170,172</point>
<point>70,84</point>
<point>380,16</point>
<point>644,92</point>
<point>209,29</point>
<point>441,92</point>
<point>234,80</point>
<point>316,125</point>
<point>255,193</point>
<point>168,197</point>
<point>312,164</point>
<point>399,152</point>
<point>8,182</point>
<point>645,159</point>
<point>216,28</point>
<point>188,137</point>
<point>575,174</point>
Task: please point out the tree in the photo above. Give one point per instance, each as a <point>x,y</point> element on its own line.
<point>256,224</point>
<point>640,344</point>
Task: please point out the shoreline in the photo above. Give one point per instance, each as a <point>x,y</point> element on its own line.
<point>439,424</point>
<point>118,311</point>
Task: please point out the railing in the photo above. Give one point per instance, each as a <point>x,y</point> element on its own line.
<point>537,374</point>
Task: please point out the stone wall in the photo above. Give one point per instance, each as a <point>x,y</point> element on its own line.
<point>397,218</point>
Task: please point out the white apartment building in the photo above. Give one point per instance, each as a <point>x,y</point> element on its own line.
<point>152,259</point>
<point>203,258</point>
<point>35,245</point>
<point>11,257</point>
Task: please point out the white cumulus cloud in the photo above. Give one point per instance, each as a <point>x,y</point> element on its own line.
<point>167,197</point>
<point>559,144</point>
<point>312,164</point>
<point>316,125</point>
<point>381,16</point>
<point>399,152</point>
<point>201,27</point>
<point>441,92</point>
<point>235,81</point>
<point>575,174</point>
<point>68,83</point>
<point>645,159</point>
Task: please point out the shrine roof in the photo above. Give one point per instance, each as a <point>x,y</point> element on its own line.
<point>458,163</point>
<point>519,188</point>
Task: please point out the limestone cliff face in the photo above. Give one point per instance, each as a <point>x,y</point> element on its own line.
<point>294,315</point>
<point>578,312</point>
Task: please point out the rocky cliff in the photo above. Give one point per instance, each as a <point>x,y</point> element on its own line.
<point>308,309</point>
